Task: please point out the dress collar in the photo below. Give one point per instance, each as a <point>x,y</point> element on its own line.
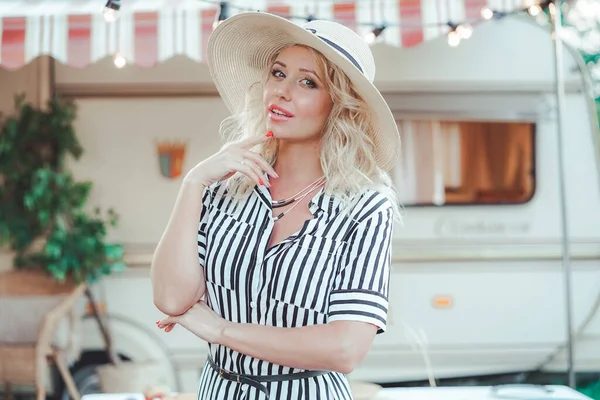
<point>328,203</point>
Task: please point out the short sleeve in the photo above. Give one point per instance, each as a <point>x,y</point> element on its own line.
<point>360,290</point>
<point>206,197</point>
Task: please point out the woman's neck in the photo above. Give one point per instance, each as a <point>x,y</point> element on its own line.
<point>297,165</point>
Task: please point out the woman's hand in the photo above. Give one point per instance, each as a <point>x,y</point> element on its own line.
<point>199,319</point>
<point>236,157</point>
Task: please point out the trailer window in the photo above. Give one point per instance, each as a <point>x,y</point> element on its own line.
<point>452,162</point>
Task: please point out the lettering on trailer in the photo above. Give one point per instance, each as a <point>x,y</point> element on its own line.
<point>453,227</point>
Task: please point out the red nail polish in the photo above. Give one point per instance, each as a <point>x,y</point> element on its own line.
<point>269,134</point>
<point>260,181</point>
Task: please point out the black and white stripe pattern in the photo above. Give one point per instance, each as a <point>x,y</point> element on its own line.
<point>335,268</point>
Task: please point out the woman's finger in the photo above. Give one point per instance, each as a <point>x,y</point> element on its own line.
<point>250,163</point>
<point>245,169</point>
<point>250,142</point>
<point>261,162</point>
<point>166,326</point>
<point>161,323</point>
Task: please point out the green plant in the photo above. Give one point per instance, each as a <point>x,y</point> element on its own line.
<point>42,207</point>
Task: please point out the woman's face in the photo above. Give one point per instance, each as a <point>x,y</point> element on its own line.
<point>295,98</point>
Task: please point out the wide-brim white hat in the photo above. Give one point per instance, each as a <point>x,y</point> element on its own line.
<point>241,47</point>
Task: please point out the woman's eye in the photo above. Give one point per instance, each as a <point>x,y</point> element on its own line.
<point>278,74</point>
<point>309,83</point>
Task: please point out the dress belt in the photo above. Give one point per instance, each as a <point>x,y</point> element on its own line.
<point>255,380</point>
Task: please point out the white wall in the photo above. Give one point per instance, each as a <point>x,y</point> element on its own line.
<point>119,137</point>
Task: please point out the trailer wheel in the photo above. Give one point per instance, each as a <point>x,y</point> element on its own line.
<point>86,380</point>
<point>84,374</point>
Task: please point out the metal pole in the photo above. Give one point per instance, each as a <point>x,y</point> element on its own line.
<point>555,11</point>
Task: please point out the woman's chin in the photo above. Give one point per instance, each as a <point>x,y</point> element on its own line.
<point>287,135</point>
<point>278,133</point>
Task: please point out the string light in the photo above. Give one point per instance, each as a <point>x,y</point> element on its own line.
<point>458,33</point>
<point>535,10</point>
<point>111,10</point>
<point>487,13</point>
<point>464,31</point>
<point>455,35</point>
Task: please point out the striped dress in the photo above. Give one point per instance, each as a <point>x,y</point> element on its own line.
<point>336,267</point>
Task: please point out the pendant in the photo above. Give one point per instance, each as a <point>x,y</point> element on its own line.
<point>281,203</point>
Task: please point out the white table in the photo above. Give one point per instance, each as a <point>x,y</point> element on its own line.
<point>506,392</point>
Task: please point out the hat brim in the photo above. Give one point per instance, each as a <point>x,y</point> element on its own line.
<point>241,47</point>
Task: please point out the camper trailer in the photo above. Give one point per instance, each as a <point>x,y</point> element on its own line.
<point>478,274</point>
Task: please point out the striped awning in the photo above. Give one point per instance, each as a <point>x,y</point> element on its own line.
<point>74,32</point>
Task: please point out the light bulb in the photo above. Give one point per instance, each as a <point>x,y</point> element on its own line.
<point>464,31</point>
<point>369,37</point>
<point>111,10</point>
<point>487,13</point>
<point>119,60</point>
<point>110,15</point>
<point>453,39</point>
<point>534,10</point>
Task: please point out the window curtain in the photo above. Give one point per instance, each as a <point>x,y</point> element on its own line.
<point>429,161</point>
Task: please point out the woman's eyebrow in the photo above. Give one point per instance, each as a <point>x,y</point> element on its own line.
<point>310,71</point>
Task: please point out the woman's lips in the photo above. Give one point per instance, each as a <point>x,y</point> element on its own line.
<point>279,114</point>
<point>277,117</point>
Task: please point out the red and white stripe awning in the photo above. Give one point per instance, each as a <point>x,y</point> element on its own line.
<point>147,32</point>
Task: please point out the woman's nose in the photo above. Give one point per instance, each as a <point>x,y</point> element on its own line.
<point>283,90</point>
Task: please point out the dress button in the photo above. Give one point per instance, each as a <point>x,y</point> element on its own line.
<point>252,304</point>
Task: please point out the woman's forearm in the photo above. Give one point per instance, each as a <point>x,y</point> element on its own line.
<point>325,347</point>
<point>177,276</point>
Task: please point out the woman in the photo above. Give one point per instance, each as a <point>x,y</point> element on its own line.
<point>296,215</point>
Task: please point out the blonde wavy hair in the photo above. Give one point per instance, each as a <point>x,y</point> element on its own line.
<point>347,148</point>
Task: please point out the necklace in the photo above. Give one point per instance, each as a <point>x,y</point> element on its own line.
<point>301,195</point>
<point>291,199</point>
